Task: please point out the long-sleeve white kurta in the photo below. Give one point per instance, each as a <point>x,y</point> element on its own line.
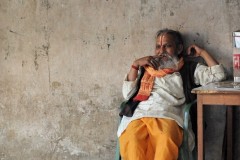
<point>167,96</point>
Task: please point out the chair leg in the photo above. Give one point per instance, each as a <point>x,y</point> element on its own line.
<point>117,154</point>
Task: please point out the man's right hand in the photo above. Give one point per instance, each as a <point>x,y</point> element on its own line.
<point>141,62</point>
<point>146,61</point>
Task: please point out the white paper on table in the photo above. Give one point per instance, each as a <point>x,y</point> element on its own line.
<point>236,36</point>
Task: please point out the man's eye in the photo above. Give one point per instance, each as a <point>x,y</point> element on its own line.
<point>168,45</point>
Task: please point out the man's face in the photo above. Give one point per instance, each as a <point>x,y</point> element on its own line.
<point>165,44</point>
<point>166,51</point>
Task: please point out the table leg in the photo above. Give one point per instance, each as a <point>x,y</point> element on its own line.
<point>229,132</point>
<point>200,126</point>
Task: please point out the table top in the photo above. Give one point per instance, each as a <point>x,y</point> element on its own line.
<point>218,87</point>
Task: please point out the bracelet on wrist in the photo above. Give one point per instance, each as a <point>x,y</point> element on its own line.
<point>135,67</point>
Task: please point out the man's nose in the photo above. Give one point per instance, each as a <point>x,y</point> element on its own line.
<point>161,51</point>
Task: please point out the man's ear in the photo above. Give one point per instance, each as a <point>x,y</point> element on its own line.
<point>179,49</point>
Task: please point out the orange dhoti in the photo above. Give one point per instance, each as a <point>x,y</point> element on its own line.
<point>151,139</point>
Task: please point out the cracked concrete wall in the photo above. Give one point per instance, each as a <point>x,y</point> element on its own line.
<point>62,64</point>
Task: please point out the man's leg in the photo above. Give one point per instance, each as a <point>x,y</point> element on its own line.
<point>134,141</point>
<point>165,136</point>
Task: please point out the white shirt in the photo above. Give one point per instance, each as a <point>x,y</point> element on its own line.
<point>167,96</point>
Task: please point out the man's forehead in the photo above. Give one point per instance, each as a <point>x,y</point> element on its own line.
<point>165,38</point>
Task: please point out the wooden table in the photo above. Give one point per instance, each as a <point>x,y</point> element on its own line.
<point>213,94</point>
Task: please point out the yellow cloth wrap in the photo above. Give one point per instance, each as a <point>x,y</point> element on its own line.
<point>151,139</point>
<point>148,80</point>
<point>158,73</point>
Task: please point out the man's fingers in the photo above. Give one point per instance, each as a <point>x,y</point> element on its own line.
<point>155,63</point>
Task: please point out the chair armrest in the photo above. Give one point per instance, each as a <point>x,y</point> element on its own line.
<point>117,153</point>
<point>186,111</point>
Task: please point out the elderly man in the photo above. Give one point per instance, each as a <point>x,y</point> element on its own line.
<point>154,130</point>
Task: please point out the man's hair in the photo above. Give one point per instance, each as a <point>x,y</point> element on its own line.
<point>176,35</point>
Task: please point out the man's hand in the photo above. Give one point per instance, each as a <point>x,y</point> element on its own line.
<point>141,62</point>
<point>146,61</point>
<point>194,48</point>
<point>203,53</point>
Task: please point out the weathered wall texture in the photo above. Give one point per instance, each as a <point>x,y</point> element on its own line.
<point>62,64</point>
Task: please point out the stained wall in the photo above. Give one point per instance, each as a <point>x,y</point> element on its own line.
<point>62,64</point>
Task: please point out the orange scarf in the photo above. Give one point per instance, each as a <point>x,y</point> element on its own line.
<point>149,77</point>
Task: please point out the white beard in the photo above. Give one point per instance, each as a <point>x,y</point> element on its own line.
<point>167,61</point>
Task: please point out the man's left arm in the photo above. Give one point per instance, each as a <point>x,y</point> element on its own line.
<point>204,54</point>
<point>213,72</point>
